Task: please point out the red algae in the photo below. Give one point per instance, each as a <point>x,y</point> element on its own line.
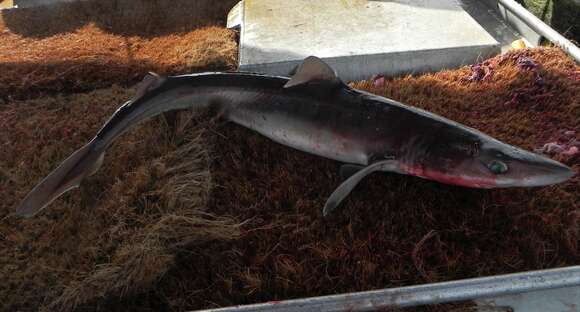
<point>85,45</point>
<point>126,239</point>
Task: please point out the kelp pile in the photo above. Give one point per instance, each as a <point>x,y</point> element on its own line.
<point>84,45</point>
<point>189,212</point>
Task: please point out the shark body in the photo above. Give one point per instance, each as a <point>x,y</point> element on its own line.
<point>317,113</point>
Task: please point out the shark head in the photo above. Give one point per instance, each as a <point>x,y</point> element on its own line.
<point>469,158</point>
<point>511,166</point>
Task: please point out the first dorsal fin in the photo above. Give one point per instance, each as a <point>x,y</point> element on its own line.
<point>313,70</point>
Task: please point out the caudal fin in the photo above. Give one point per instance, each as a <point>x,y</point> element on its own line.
<point>69,174</point>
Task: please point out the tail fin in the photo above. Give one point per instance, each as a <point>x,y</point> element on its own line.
<point>69,174</point>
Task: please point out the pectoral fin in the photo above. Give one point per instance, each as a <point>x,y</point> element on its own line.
<point>347,186</point>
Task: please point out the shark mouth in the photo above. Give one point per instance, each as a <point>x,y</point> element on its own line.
<point>447,178</point>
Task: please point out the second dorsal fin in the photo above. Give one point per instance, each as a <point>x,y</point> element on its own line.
<point>313,70</point>
<point>150,82</point>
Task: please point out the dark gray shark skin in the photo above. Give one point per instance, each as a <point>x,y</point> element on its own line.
<point>317,113</point>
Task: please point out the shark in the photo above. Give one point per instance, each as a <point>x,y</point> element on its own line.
<point>314,111</point>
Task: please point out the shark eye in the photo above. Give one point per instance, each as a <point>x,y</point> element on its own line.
<point>498,167</point>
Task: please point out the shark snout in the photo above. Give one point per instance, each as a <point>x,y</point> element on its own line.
<point>530,170</point>
<point>552,175</point>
